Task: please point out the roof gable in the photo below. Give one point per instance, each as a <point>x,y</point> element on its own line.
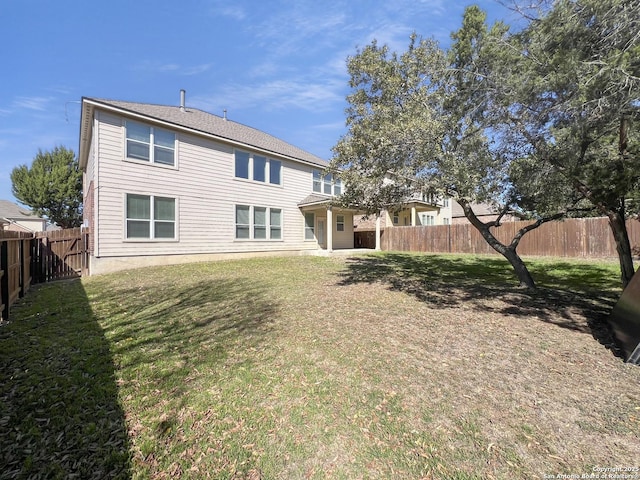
<point>204,123</point>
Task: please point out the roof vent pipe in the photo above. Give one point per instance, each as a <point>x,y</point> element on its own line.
<point>224,113</point>
<point>182,95</point>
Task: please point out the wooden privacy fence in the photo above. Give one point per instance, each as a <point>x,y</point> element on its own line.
<point>576,237</point>
<point>29,258</point>
<point>15,268</point>
<point>60,254</point>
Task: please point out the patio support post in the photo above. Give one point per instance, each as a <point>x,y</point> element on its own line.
<point>378,215</point>
<point>413,216</point>
<point>329,229</point>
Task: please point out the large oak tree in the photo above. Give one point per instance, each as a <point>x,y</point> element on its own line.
<point>499,118</point>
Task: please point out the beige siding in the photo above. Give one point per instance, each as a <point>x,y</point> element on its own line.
<point>206,192</point>
<point>343,239</point>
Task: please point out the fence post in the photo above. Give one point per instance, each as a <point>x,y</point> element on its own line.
<point>4,279</point>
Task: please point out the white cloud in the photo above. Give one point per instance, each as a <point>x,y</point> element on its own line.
<point>175,68</point>
<point>222,8</point>
<point>196,69</point>
<point>274,95</point>
<point>33,103</point>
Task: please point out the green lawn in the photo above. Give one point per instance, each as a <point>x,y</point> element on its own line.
<point>382,366</point>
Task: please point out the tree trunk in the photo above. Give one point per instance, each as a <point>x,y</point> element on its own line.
<point>521,270</point>
<point>525,278</point>
<point>623,246</point>
<point>508,252</point>
<point>618,227</point>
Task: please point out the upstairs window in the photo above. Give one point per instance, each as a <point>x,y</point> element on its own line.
<point>337,186</point>
<point>242,164</point>
<point>275,172</point>
<point>326,181</point>
<point>258,168</point>
<point>327,184</point>
<point>317,181</point>
<point>150,144</point>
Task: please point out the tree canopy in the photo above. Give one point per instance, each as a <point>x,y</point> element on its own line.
<point>52,186</point>
<point>540,120</point>
<point>572,104</point>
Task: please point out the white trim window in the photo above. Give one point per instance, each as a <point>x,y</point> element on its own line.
<point>327,184</point>
<point>150,217</point>
<point>257,168</point>
<point>309,226</point>
<point>428,219</point>
<point>258,223</point>
<point>275,172</point>
<point>150,144</point>
<point>275,223</point>
<point>340,223</point>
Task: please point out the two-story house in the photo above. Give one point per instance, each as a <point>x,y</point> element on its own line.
<point>173,184</point>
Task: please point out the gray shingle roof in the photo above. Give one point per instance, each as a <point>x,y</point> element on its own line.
<point>15,212</point>
<point>314,199</point>
<point>207,123</point>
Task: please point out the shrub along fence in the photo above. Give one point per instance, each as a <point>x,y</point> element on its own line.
<point>575,237</point>
<point>29,258</point>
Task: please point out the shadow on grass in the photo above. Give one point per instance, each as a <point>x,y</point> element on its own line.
<point>162,333</point>
<point>59,411</point>
<point>566,291</point>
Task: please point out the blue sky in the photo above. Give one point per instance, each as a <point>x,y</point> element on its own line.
<point>279,66</point>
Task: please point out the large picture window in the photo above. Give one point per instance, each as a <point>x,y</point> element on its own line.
<point>150,144</point>
<point>150,217</point>
<point>258,168</point>
<point>258,223</point>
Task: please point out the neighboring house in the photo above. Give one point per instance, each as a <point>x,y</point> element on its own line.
<point>414,213</point>
<point>169,184</point>
<point>484,211</point>
<point>19,219</point>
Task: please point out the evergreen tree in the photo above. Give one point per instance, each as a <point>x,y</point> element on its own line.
<point>52,186</point>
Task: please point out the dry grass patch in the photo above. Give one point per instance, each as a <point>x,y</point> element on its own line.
<point>384,366</point>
